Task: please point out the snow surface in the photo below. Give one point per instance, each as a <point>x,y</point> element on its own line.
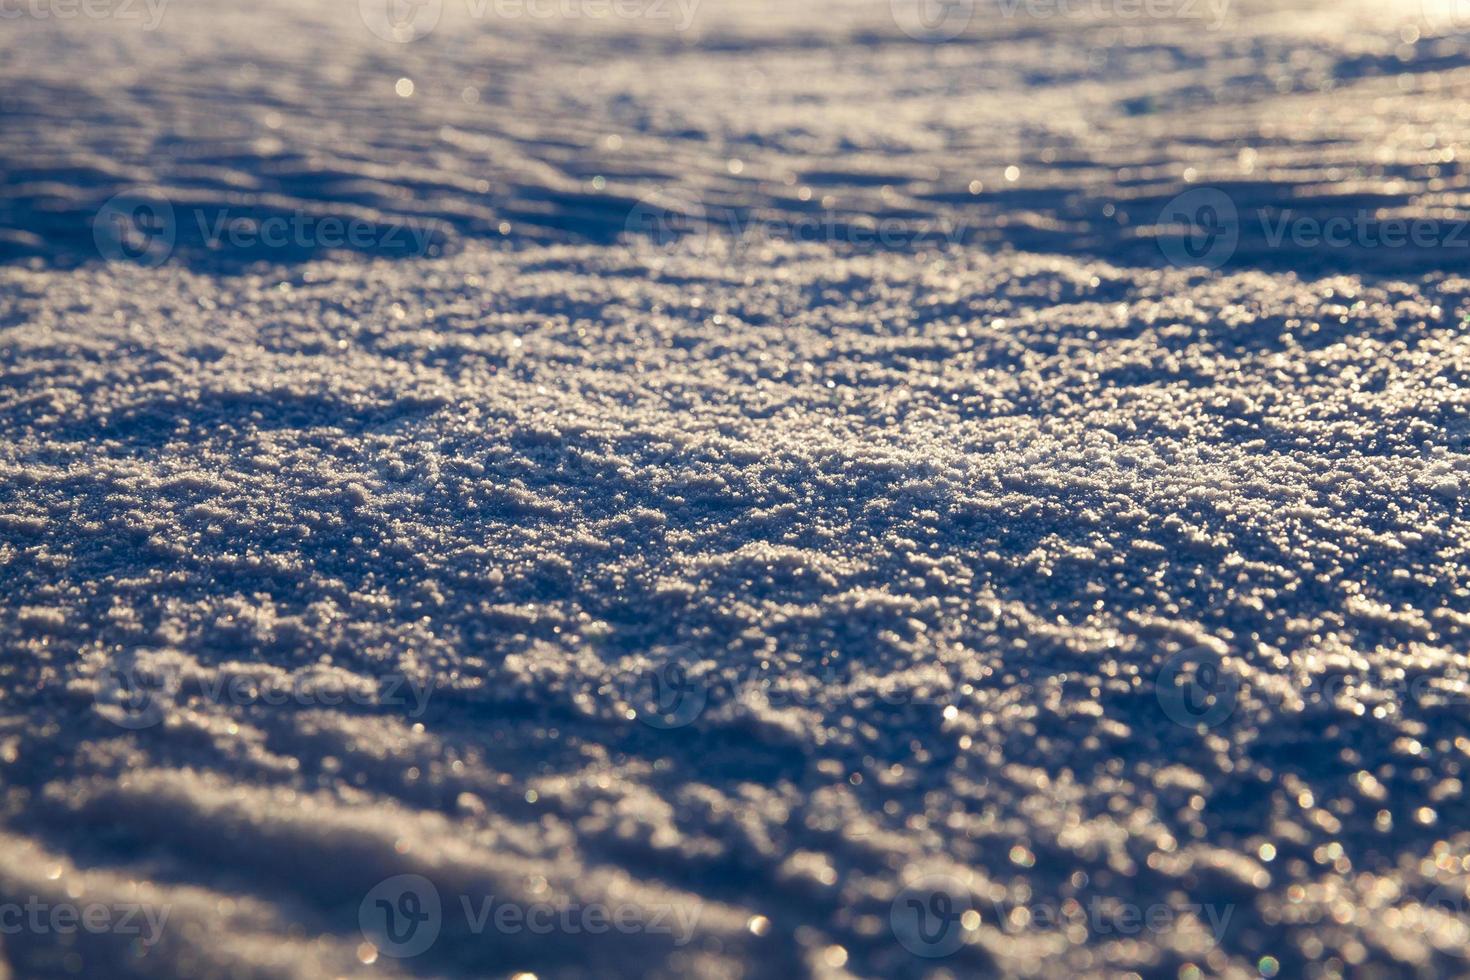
<point>324,567</point>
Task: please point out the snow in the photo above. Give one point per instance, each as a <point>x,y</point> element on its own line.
<point>755,489</point>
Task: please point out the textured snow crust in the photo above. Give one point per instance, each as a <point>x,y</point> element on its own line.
<point>403,549</point>
<point>925,527</point>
